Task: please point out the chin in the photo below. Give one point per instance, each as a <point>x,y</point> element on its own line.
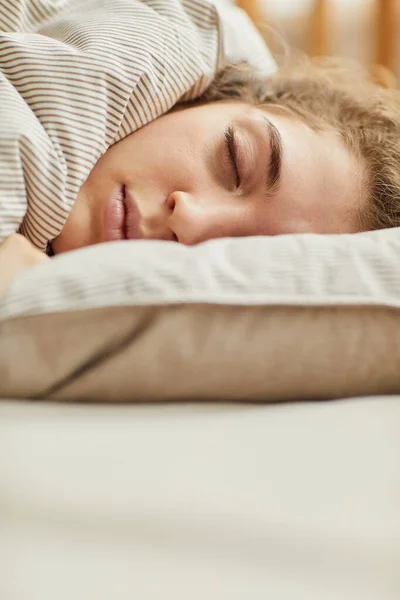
<point>75,234</point>
<point>63,243</point>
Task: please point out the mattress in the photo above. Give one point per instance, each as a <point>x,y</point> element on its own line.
<point>193,501</point>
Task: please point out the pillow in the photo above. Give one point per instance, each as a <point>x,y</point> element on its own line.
<point>288,317</point>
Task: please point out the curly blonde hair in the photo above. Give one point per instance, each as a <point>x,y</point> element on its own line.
<point>332,93</point>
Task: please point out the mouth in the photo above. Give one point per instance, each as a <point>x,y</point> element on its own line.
<point>121,217</point>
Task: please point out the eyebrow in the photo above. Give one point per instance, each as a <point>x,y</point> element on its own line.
<point>275,162</point>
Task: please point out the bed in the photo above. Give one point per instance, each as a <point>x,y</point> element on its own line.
<point>221,423</point>
<point>147,445</point>
<point>292,502</point>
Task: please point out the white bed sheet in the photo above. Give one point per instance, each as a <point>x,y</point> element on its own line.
<point>188,502</point>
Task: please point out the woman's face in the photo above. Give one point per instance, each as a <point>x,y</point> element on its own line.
<point>217,170</point>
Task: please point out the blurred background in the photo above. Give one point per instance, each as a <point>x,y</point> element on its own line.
<point>366,30</point>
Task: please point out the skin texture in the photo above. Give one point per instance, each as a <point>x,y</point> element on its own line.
<point>179,173</point>
<point>17,254</point>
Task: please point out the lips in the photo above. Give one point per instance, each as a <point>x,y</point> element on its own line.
<point>121,217</point>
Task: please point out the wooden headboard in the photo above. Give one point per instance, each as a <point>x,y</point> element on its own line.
<point>319,39</point>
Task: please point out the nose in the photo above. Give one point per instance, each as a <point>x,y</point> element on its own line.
<point>182,220</point>
<point>193,219</point>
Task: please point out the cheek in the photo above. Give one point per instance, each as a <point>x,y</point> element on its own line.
<point>168,163</point>
<point>66,240</point>
<point>282,215</point>
<point>166,154</point>
<point>78,230</point>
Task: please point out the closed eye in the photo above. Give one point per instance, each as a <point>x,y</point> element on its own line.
<point>231,152</point>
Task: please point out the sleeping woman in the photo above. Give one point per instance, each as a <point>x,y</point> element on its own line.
<point>313,147</point>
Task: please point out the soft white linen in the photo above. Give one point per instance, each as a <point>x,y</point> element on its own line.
<point>288,502</point>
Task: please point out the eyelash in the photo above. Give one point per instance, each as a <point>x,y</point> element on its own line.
<point>230,146</point>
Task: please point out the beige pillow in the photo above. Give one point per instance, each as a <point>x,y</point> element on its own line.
<point>265,318</point>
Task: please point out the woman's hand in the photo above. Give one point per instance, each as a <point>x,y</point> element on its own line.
<point>17,254</point>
